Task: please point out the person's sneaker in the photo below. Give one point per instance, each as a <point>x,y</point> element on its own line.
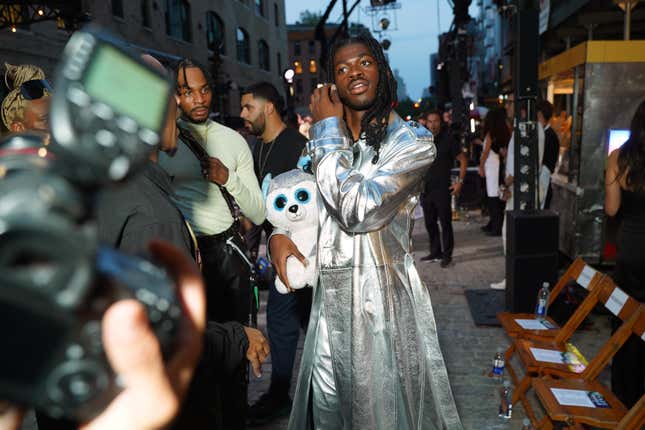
<point>268,408</point>
<point>445,261</point>
<point>432,257</point>
<point>501,285</point>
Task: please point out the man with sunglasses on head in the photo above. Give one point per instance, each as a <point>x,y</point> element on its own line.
<point>26,107</point>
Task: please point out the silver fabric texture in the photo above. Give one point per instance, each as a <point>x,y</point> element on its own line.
<point>388,368</point>
<point>325,406</point>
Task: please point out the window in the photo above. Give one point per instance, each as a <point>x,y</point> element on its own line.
<point>145,13</point>
<point>276,14</point>
<point>263,55</point>
<point>178,19</point>
<point>312,66</point>
<point>259,7</point>
<point>117,8</point>
<point>215,33</point>
<point>297,65</point>
<point>312,47</point>
<point>296,49</point>
<point>243,51</point>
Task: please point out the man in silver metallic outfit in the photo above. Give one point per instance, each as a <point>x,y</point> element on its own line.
<point>371,358</point>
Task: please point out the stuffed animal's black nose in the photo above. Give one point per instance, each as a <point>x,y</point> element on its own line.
<point>293,209</point>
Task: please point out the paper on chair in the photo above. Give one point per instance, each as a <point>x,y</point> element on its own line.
<point>547,355</point>
<point>585,277</point>
<point>616,301</point>
<point>567,397</point>
<point>533,324</point>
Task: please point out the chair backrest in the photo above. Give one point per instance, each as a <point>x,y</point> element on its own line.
<point>591,280</point>
<point>579,272</point>
<point>630,311</point>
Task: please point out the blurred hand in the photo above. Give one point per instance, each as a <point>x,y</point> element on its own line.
<point>245,225</point>
<point>10,416</point>
<point>258,349</point>
<point>456,188</point>
<point>325,103</point>
<point>216,171</point>
<point>153,389</point>
<point>281,248</point>
<point>482,173</point>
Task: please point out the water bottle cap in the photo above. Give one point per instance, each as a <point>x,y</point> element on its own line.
<point>526,422</point>
<point>545,284</point>
<point>507,383</point>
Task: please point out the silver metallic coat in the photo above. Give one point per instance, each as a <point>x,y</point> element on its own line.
<point>387,364</point>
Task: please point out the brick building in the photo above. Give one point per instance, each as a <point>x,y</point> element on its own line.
<point>249,35</point>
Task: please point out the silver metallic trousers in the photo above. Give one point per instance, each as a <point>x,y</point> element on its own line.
<point>325,403</point>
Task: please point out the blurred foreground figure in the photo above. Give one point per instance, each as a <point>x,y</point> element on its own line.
<point>371,358</point>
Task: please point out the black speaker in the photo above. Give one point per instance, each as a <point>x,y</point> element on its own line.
<point>526,52</point>
<point>531,256</point>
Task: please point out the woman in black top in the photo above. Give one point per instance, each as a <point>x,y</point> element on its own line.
<point>496,137</point>
<point>625,190</point>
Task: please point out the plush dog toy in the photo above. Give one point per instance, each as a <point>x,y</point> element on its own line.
<point>292,205</point>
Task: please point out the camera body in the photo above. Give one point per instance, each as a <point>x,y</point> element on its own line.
<point>56,281</point>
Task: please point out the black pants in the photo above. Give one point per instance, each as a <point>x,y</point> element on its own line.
<point>436,206</point>
<point>228,294</point>
<point>228,298</point>
<point>496,212</point>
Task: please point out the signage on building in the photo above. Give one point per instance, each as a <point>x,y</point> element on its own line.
<point>545,11</point>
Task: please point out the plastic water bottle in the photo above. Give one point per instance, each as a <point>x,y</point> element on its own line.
<point>526,424</point>
<point>498,364</point>
<point>505,404</point>
<point>542,302</point>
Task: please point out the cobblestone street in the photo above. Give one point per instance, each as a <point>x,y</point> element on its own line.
<point>468,350</point>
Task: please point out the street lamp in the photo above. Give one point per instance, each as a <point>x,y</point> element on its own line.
<point>288,75</point>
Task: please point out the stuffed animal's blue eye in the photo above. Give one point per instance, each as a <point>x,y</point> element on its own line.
<point>280,202</point>
<point>302,195</point>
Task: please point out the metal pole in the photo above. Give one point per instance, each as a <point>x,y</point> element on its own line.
<point>628,19</point>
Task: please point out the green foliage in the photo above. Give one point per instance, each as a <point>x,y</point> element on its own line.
<point>308,17</point>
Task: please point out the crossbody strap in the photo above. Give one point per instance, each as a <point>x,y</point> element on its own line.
<point>202,156</point>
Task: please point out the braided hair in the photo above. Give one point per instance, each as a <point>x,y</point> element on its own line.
<point>374,122</point>
<point>14,104</point>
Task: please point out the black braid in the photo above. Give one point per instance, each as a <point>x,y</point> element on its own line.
<point>374,122</point>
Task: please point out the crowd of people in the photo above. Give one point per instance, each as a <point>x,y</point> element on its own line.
<point>200,194</point>
<point>371,357</point>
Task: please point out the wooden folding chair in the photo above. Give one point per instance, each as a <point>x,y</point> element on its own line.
<point>606,292</point>
<point>579,272</point>
<point>614,415</point>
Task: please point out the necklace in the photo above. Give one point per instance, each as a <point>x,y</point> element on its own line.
<point>262,163</point>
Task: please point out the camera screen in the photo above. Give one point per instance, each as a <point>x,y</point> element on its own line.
<point>29,341</point>
<point>127,87</point>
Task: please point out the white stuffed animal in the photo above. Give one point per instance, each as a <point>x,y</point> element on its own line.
<point>291,204</point>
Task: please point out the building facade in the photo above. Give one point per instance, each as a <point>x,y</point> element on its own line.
<point>239,41</point>
<point>304,58</point>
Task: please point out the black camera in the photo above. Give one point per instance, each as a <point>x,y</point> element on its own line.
<point>56,281</point>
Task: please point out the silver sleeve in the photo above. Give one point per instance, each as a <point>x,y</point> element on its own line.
<point>367,199</point>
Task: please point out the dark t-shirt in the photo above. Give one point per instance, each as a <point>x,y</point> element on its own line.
<point>551,149</point>
<point>278,156</point>
<point>438,176</point>
<point>139,210</point>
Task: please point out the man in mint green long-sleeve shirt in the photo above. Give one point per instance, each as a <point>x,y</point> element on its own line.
<point>200,200</point>
<point>198,196</point>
